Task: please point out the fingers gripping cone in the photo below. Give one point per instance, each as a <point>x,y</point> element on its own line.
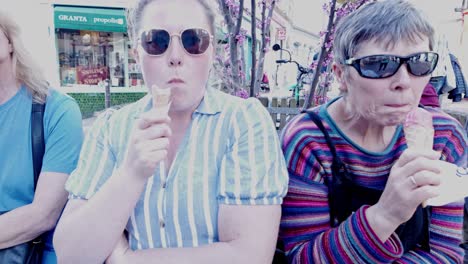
<point>161,98</point>
<point>419,131</point>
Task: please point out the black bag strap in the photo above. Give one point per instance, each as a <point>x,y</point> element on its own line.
<point>37,139</point>
<point>337,164</point>
<point>280,256</point>
<point>316,119</point>
<point>38,148</point>
<point>338,171</point>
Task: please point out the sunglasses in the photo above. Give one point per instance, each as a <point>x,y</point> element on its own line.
<point>194,40</point>
<point>384,66</point>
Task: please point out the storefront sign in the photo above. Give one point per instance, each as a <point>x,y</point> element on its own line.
<point>91,76</point>
<point>280,33</point>
<point>72,18</point>
<point>94,19</point>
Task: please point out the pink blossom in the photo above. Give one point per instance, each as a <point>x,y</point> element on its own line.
<point>242,94</point>
<point>326,8</point>
<point>313,66</point>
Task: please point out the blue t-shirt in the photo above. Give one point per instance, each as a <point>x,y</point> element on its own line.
<point>63,137</point>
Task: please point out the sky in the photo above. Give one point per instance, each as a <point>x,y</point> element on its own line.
<point>309,14</point>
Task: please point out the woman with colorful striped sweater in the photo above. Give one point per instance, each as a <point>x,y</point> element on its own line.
<point>357,196</point>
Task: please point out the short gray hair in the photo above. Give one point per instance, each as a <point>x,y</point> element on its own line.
<point>387,22</point>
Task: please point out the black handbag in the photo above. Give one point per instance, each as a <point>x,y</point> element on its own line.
<point>30,252</point>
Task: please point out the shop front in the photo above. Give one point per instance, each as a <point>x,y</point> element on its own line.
<point>94,50</point>
<point>93,47</point>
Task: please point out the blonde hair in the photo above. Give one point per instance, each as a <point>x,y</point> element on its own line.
<point>135,14</point>
<point>26,71</point>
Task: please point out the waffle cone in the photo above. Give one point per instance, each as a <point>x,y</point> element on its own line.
<point>419,137</point>
<point>161,97</point>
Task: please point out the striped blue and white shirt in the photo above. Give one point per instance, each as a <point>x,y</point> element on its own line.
<point>230,155</point>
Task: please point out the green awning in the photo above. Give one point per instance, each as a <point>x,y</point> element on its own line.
<point>94,19</point>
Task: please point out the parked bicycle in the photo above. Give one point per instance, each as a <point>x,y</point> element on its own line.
<point>302,74</point>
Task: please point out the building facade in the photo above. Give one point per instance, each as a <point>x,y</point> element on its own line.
<point>83,45</point>
<point>298,38</point>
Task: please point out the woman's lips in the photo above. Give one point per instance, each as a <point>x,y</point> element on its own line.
<point>173,81</point>
<point>396,105</point>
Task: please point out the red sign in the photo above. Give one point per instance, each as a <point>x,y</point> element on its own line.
<point>91,76</point>
<point>280,33</point>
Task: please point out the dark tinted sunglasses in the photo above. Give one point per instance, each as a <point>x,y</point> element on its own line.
<point>383,66</point>
<point>194,40</point>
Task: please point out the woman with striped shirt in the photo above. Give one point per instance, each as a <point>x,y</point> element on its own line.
<point>359,201</point>
<point>200,180</point>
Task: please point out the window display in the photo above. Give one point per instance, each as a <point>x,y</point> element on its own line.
<point>135,76</point>
<point>92,57</point>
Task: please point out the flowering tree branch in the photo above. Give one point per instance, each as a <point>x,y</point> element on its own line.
<point>268,5</point>
<point>253,16</point>
<point>233,13</point>
<point>326,55</point>
<point>233,66</point>
<point>310,95</point>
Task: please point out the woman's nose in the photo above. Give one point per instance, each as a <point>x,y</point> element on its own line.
<point>175,62</point>
<point>176,53</point>
<point>402,77</point>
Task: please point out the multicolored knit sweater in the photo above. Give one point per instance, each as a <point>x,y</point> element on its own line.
<point>305,225</point>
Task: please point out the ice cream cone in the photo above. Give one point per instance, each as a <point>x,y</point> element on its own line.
<point>419,137</point>
<point>419,131</point>
<point>161,98</point>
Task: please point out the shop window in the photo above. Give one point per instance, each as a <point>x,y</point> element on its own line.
<point>134,72</point>
<point>92,58</point>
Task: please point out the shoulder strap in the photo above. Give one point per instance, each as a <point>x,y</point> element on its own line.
<point>336,192</point>
<point>37,138</point>
<point>337,163</point>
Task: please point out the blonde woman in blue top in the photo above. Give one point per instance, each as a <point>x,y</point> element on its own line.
<point>201,184</point>
<point>26,213</point>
